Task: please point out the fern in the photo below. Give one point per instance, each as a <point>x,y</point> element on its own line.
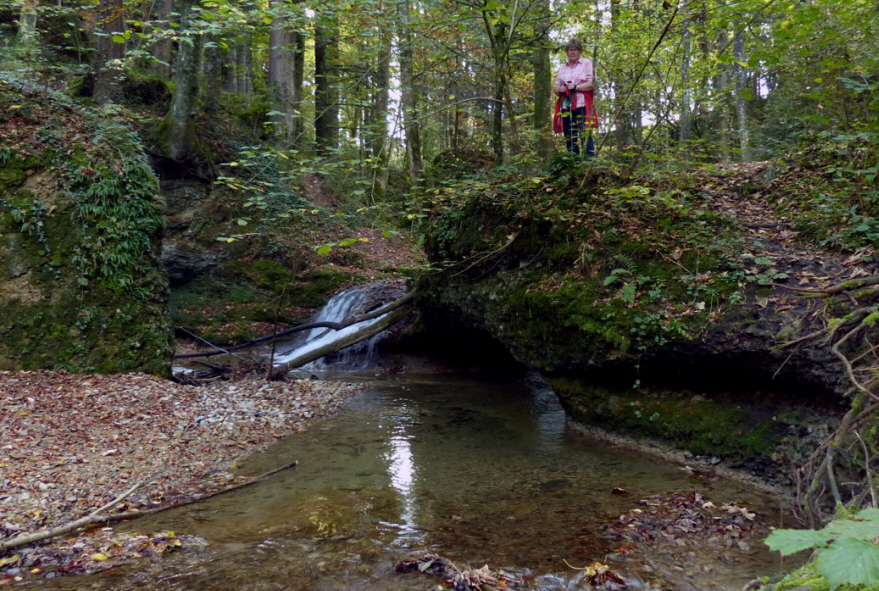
<point>626,262</point>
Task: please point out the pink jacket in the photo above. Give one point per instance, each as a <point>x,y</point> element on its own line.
<point>578,72</point>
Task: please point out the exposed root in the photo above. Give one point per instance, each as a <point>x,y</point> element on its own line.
<point>848,337</point>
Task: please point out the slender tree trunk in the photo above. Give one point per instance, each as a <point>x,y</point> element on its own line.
<point>298,42</point>
<point>212,66</point>
<point>621,130</point>
<point>686,99</point>
<point>542,86</point>
<point>27,27</point>
<point>164,47</point>
<point>497,122</point>
<point>409,94</point>
<point>741,86</point>
<point>180,120</point>
<point>281,84</point>
<point>230,70</point>
<point>379,118</point>
<point>326,104</point>
<point>721,91</point>
<point>244,67</point>
<point>107,71</point>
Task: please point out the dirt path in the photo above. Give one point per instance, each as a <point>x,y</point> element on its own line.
<point>740,191</point>
<point>774,252</point>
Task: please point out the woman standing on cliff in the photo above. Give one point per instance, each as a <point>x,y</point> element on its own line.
<point>574,88</point>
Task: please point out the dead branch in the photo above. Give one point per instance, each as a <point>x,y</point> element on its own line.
<point>96,516</point>
<point>874,502</point>
<point>332,325</point>
<point>129,515</point>
<point>99,515</point>
<point>387,321</point>
<point>834,289</point>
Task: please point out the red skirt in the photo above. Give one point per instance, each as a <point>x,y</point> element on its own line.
<point>590,119</point>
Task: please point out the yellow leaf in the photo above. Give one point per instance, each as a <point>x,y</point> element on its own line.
<point>9,560</point>
<point>99,557</point>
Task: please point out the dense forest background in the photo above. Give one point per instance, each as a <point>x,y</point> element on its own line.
<point>381,88</point>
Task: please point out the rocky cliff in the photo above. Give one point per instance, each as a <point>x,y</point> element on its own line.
<point>81,285</point>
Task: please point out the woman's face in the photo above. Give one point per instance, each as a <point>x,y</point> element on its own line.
<point>573,54</point>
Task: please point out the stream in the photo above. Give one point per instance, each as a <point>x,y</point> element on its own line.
<point>476,467</point>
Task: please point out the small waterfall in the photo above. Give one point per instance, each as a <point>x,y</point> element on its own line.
<point>351,302</point>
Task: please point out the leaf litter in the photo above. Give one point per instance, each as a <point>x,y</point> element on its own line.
<point>71,444</point>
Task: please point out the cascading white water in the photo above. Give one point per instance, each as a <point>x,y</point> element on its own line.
<point>339,308</point>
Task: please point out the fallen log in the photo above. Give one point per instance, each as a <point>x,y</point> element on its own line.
<point>323,324</point>
<point>355,337</point>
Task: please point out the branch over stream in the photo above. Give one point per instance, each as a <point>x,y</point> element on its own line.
<point>390,319</point>
<point>324,324</point>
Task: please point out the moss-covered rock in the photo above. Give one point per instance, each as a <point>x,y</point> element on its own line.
<point>81,285</point>
<point>631,286</point>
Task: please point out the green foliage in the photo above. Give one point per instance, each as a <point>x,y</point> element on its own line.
<point>115,200</point>
<point>847,553</point>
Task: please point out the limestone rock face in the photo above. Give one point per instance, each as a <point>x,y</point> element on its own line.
<point>81,283</point>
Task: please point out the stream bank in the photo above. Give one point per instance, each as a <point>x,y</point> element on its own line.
<point>179,442</point>
<point>661,311</point>
<point>477,466</point>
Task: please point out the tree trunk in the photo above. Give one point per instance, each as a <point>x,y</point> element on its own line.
<point>181,138</point>
<point>721,86</point>
<point>212,62</point>
<point>107,71</point>
<point>245,64</point>
<point>621,130</point>
<point>281,74</point>
<point>497,122</point>
<point>379,118</point>
<point>741,86</point>
<point>326,104</point>
<point>164,47</point>
<point>230,84</point>
<point>27,28</point>
<point>543,88</point>
<point>686,99</point>
<point>298,76</point>
<point>409,95</point>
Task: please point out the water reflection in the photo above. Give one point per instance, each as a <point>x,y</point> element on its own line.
<point>480,471</point>
<point>402,475</point>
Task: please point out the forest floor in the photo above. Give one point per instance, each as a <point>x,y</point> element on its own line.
<point>769,234</point>
<point>71,444</point>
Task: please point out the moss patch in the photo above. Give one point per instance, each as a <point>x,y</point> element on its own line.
<point>81,286</point>
<point>736,429</point>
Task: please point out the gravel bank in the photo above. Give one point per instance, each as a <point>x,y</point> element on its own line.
<point>70,444</point>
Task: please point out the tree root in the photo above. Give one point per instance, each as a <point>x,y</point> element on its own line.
<point>818,485</point>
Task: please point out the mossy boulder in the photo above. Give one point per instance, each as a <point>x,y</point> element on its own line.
<point>81,284</point>
<point>614,287</point>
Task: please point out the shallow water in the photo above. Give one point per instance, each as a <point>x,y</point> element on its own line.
<point>479,470</point>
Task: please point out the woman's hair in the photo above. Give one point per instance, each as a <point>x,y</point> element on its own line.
<point>575,44</point>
